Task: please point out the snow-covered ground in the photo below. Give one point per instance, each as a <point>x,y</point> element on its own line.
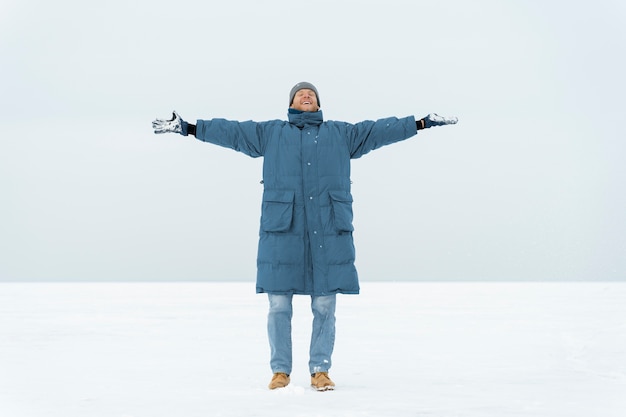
<point>403,349</point>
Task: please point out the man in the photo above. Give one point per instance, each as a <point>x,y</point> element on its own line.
<point>305,239</point>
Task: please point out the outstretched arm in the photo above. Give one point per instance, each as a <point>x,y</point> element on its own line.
<point>246,137</point>
<point>434,119</point>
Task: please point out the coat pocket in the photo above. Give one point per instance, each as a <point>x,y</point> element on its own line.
<point>277,211</point>
<point>341,203</point>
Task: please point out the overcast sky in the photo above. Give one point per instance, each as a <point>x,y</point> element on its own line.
<point>530,184</point>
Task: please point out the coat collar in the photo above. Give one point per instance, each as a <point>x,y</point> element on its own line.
<point>302,119</point>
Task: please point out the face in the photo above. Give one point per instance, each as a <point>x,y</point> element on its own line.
<point>305,100</point>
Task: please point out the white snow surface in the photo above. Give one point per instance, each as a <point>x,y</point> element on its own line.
<point>402,349</point>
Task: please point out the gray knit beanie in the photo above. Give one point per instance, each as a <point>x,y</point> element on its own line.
<point>300,86</point>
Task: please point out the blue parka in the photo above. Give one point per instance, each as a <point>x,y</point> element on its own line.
<point>305,238</point>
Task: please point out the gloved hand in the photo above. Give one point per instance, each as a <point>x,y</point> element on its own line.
<point>173,125</point>
<point>434,119</point>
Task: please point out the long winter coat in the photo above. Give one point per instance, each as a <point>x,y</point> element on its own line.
<point>305,243</point>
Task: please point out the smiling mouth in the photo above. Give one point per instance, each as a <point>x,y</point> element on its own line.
<point>306,102</point>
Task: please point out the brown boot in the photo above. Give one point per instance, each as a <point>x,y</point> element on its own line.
<point>321,382</point>
<point>279,380</point>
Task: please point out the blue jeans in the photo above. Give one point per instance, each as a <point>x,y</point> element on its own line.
<point>322,337</point>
